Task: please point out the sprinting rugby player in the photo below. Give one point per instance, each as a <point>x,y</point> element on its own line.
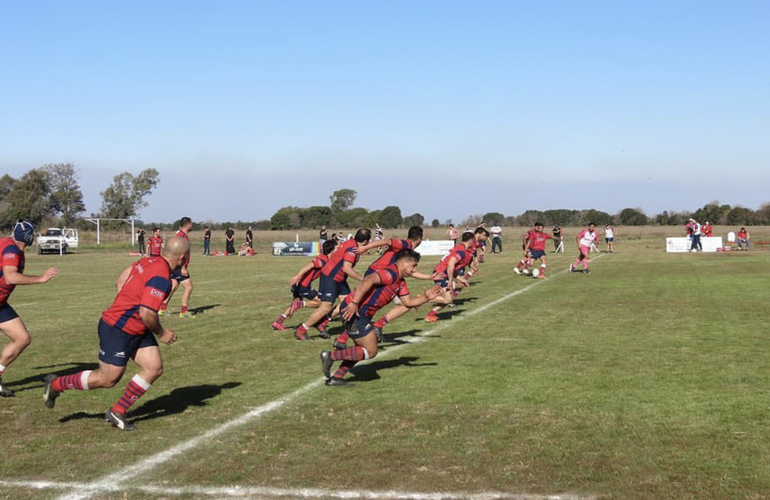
<point>127,329</point>
<point>303,293</point>
<point>358,308</point>
<point>12,274</point>
<point>334,283</point>
<point>585,239</point>
<point>523,266</point>
<point>393,245</point>
<point>535,248</point>
<point>181,275</point>
<point>450,267</point>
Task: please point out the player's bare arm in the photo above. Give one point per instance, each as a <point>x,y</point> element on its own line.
<point>352,308</point>
<point>360,250</point>
<point>295,279</point>
<point>14,277</point>
<point>152,321</point>
<point>347,268</point>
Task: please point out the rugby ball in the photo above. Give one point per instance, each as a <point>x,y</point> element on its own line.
<point>535,273</point>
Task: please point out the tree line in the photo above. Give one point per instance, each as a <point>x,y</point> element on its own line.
<point>52,193</point>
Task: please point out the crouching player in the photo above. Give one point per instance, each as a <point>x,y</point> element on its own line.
<point>304,295</point>
<point>358,308</point>
<point>127,329</point>
<point>450,268</point>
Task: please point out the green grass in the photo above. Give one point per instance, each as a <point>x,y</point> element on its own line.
<point>648,378</point>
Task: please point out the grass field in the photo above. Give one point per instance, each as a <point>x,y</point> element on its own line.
<point>647,379</point>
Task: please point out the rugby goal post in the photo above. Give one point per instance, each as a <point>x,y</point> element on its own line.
<point>97,221</point>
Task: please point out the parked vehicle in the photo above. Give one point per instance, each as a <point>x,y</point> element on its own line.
<point>57,240</point>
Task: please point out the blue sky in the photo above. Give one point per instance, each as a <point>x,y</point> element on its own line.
<point>443,108</point>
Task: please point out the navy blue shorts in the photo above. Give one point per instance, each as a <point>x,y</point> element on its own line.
<point>177,276</point>
<point>609,240</point>
<point>116,346</point>
<point>443,282</point>
<point>303,292</point>
<point>7,313</point>
<point>329,289</point>
<point>536,254</point>
<point>359,326</point>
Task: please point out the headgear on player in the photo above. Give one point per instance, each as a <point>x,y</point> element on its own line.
<point>24,232</point>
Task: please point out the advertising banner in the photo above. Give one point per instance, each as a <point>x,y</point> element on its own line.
<point>300,248</point>
<point>435,247</point>
<point>683,244</point>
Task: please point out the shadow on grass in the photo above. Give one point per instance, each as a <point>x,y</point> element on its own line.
<point>397,338</point>
<point>369,371</point>
<point>37,380</point>
<point>174,403</point>
<point>203,309</point>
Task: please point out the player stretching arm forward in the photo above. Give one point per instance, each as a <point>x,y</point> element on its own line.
<point>12,274</point>
<point>358,308</point>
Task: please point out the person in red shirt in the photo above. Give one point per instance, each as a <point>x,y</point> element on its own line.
<point>334,283</point>
<point>12,274</point>
<point>744,239</point>
<point>523,266</point>
<point>450,269</point>
<point>155,243</point>
<point>128,330</point>
<point>304,295</point>
<point>359,307</point>
<point>181,275</point>
<point>534,248</point>
<point>707,229</point>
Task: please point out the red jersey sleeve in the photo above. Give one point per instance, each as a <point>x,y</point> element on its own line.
<point>404,291</point>
<point>11,257</point>
<point>155,291</point>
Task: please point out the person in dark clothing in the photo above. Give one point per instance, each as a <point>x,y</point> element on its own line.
<point>206,241</point>
<point>230,241</point>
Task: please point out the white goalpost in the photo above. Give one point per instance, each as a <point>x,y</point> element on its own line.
<point>97,222</point>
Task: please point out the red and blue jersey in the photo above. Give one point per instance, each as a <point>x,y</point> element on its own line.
<point>460,253</point>
<point>186,260</point>
<point>154,244</point>
<point>10,255</point>
<point>391,285</point>
<point>147,285</point>
<point>312,275</point>
<point>389,257</point>
<point>343,253</point>
<point>537,240</point>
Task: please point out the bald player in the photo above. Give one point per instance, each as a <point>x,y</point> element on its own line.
<point>128,329</point>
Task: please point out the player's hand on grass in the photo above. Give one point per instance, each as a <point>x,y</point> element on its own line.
<point>48,274</point>
<point>433,292</point>
<point>168,336</point>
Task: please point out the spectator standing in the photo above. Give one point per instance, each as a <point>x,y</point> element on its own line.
<point>743,239</point>
<point>696,234</point>
<point>250,237</point>
<point>453,233</point>
<point>230,241</point>
<point>707,229</point>
<point>140,239</point>
<point>323,235</point>
<point>557,239</point>
<point>609,237</point>
<point>206,241</point>
<point>497,238</point>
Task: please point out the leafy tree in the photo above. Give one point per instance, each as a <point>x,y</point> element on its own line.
<point>125,196</point>
<point>493,218</point>
<point>713,212</point>
<point>353,218</point>
<point>374,217</point>
<point>342,200</point>
<point>317,216</point>
<point>6,185</point>
<point>66,196</point>
<point>596,216</point>
<point>28,198</point>
<point>632,217</point>
<point>390,217</point>
<point>529,218</point>
<point>413,220</point>
<point>286,218</point>
<point>740,216</point>
<point>435,223</point>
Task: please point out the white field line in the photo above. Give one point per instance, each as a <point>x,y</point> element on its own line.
<point>263,492</point>
<point>113,482</point>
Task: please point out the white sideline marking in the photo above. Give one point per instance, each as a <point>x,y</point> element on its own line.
<point>112,482</point>
<point>261,492</point>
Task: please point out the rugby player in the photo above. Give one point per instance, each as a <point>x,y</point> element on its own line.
<point>358,308</point>
<point>155,243</point>
<point>535,246</point>
<point>334,282</point>
<point>450,267</point>
<point>180,275</point>
<point>523,266</point>
<point>304,295</point>
<point>12,274</point>
<point>127,329</point>
<point>585,239</point>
